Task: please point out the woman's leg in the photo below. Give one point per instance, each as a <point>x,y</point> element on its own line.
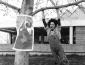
<point>54,45</point>
<point>58,51</point>
<point>56,57</point>
<point>62,56</point>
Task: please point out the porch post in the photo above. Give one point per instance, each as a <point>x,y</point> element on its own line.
<point>71,35</point>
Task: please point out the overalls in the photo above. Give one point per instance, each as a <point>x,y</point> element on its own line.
<point>56,48</point>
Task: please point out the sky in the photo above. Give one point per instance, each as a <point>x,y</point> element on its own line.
<point>16,3</point>
<point>8,15</point>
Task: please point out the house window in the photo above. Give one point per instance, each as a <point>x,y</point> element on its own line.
<point>4,38</point>
<point>65,35</point>
<point>74,35</point>
<point>68,35</point>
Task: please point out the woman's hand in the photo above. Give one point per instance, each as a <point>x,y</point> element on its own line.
<point>43,16</point>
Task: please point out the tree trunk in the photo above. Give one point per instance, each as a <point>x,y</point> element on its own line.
<point>22,57</point>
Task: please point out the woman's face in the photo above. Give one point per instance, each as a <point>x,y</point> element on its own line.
<point>52,25</point>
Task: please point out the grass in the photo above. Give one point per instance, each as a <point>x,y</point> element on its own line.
<point>43,60</point>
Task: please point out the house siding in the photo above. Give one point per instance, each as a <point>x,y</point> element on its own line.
<point>80,35</point>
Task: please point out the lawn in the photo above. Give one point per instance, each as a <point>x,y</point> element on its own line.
<point>43,60</point>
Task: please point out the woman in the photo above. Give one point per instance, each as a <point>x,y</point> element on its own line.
<point>54,36</point>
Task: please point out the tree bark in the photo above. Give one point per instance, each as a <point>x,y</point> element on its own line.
<point>22,57</point>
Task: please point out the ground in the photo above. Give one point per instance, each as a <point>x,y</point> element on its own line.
<point>43,60</point>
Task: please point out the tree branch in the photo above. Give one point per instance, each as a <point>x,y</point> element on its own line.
<point>11,6</point>
<point>45,8</point>
<point>57,7</point>
<point>81,8</point>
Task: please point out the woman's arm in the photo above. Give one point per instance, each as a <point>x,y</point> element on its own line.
<point>58,31</point>
<point>43,19</point>
<point>58,21</point>
<point>44,22</point>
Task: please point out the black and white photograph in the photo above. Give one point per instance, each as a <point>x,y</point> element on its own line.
<point>42,32</point>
